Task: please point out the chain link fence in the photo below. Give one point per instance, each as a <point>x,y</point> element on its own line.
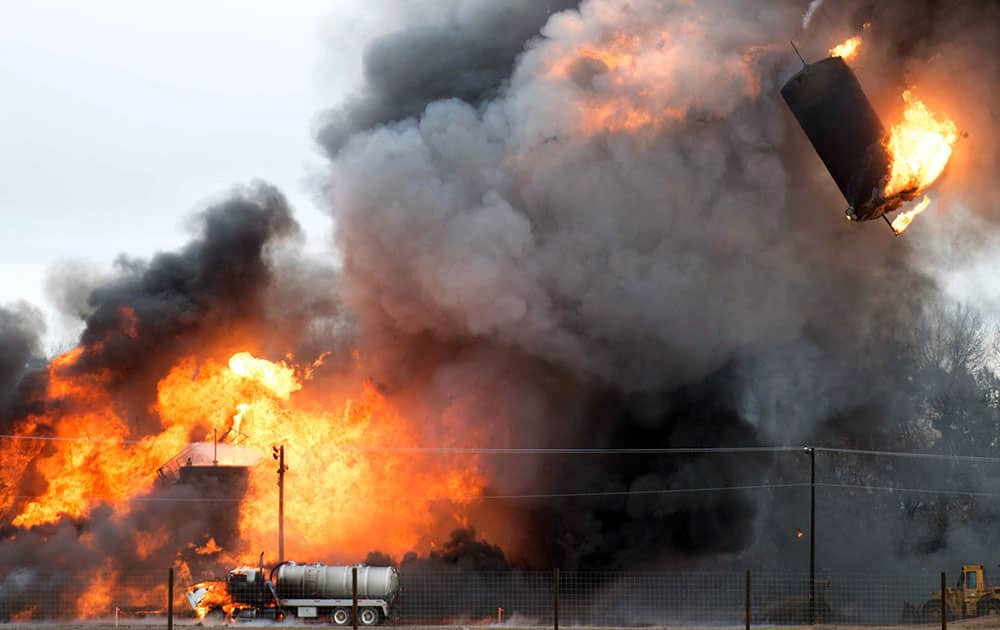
<point>531,598</point>
<point>662,599</point>
<point>27,596</point>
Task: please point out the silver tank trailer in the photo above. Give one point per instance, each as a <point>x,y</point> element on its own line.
<point>319,581</point>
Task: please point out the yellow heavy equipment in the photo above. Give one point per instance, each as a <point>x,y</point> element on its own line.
<point>971,597</point>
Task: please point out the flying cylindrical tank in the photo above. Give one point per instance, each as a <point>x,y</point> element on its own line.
<point>319,581</point>
<point>835,115</point>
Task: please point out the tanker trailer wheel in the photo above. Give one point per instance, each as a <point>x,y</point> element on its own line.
<point>341,617</point>
<point>369,616</point>
<point>215,617</point>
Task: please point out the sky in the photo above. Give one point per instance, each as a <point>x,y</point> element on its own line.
<point>120,119</point>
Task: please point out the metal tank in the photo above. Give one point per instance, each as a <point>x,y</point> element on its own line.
<point>319,581</point>
<point>848,136</point>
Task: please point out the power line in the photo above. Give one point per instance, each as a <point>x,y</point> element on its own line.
<point>544,495</point>
<point>596,494</point>
<point>911,455</point>
<point>457,450</point>
<point>147,499</point>
<point>460,450</point>
<point>52,438</point>
<point>891,489</point>
<point>615,493</point>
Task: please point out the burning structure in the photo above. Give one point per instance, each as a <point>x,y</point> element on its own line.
<point>559,224</point>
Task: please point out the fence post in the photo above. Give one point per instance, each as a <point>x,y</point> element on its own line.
<point>170,599</point>
<point>944,603</point>
<point>354,596</point>
<point>746,600</point>
<point>555,599</point>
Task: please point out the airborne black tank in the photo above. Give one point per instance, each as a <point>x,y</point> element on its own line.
<point>833,111</point>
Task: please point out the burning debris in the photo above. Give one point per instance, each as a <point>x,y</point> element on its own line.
<point>876,172</point>
<point>209,596</point>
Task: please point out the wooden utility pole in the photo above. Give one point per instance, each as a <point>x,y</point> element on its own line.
<point>555,599</point>
<point>812,535</point>
<point>746,600</point>
<point>354,597</point>
<point>278,452</point>
<point>170,599</point>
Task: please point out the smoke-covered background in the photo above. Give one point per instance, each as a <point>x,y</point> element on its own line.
<point>596,225</point>
<point>642,250</point>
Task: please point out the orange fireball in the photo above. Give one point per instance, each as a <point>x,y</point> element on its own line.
<point>339,489</point>
<point>919,145</point>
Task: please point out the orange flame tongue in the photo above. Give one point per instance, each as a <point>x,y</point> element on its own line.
<point>848,49</point>
<point>905,218</point>
<point>920,145</point>
<point>213,595</point>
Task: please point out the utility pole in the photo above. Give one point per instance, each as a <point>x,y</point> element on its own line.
<point>278,452</point>
<point>812,534</point>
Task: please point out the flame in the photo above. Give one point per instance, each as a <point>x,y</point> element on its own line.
<point>920,145</point>
<point>208,548</point>
<point>24,616</point>
<point>277,377</point>
<point>96,601</point>
<point>903,219</point>
<point>343,498</point>
<point>93,459</point>
<point>847,49</point>
<point>634,82</point>
<point>130,322</point>
<point>216,596</point>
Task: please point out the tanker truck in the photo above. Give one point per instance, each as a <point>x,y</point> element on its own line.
<point>307,591</point>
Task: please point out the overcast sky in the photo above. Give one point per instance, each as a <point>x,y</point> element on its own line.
<point>119,118</point>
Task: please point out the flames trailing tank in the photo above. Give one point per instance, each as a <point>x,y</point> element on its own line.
<point>833,111</point>
<point>320,581</point>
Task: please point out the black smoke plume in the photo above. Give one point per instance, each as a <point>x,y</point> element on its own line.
<point>467,54</point>
<point>562,275</point>
<point>214,292</point>
<point>21,329</point>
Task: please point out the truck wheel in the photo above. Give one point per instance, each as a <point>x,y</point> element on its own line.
<point>341,617</point>
<point>989,608</point>
<point>215,617</point>
<point>369,616</point>
<point>932,612</point>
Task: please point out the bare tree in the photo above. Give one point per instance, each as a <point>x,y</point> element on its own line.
<point>955,339</point>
